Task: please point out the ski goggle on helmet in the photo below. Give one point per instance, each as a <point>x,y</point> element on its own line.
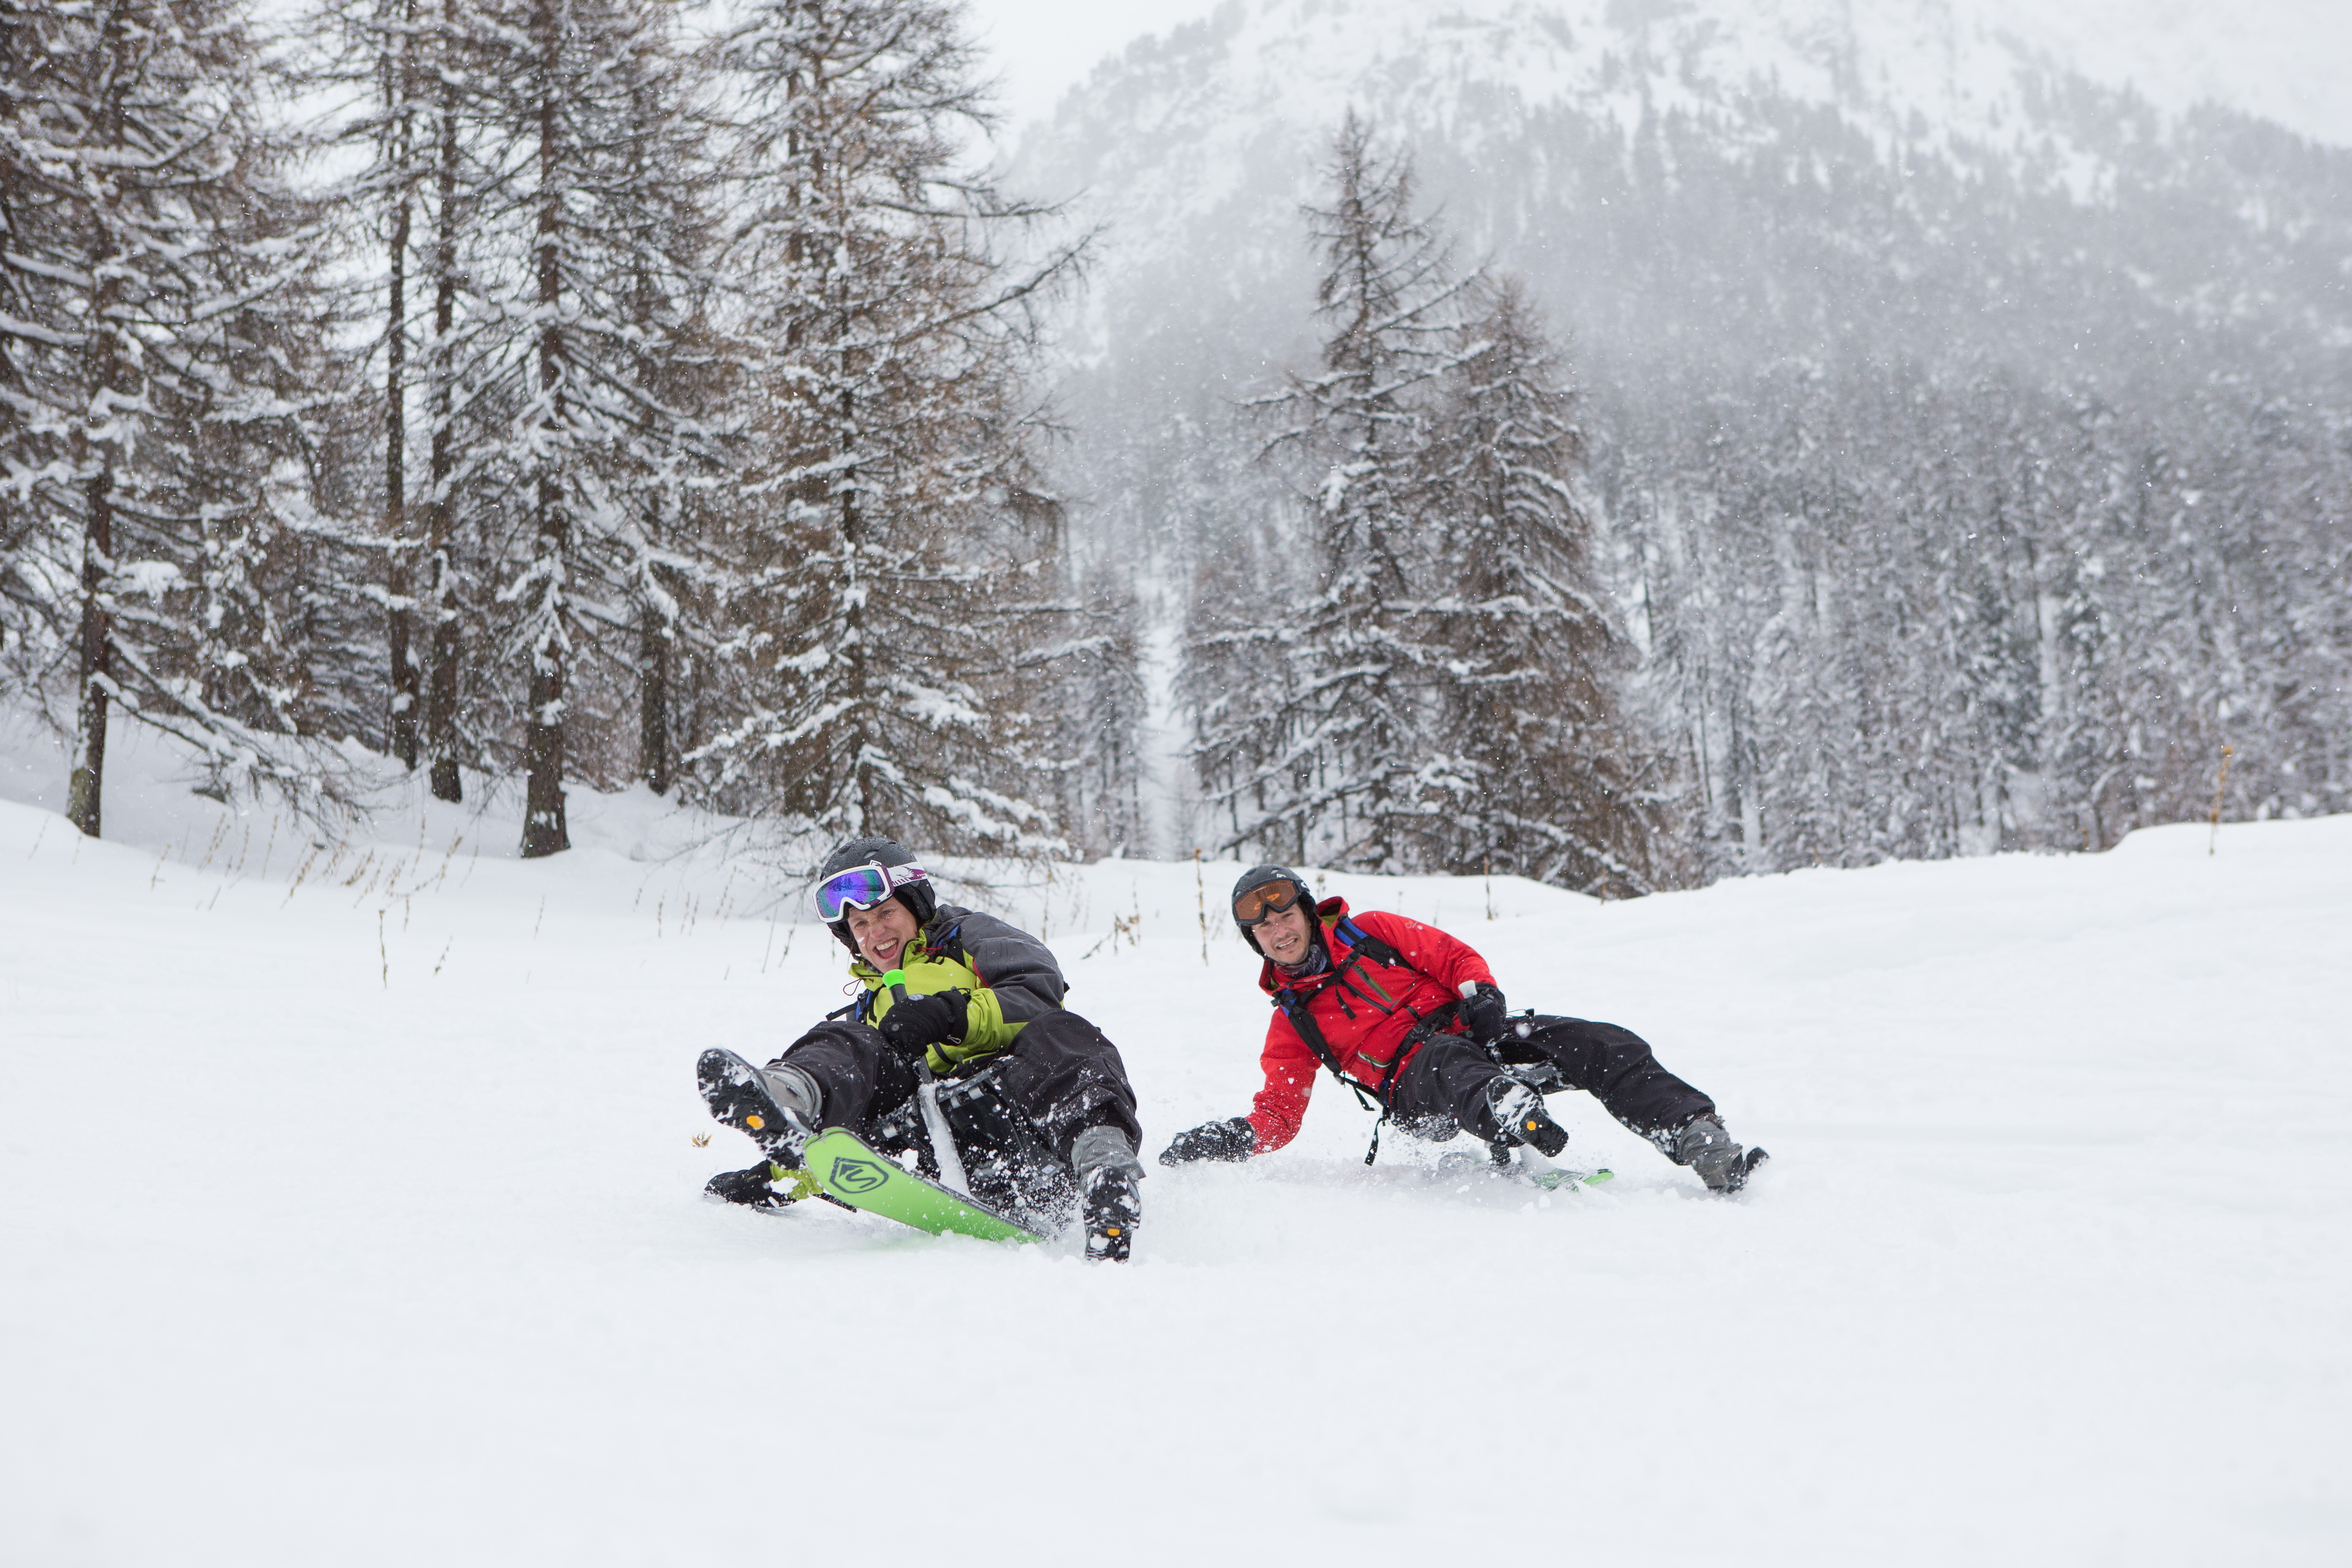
<point>862,888</point>
<point>1253,905</point>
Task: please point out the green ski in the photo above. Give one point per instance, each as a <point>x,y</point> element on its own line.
<point>1552,1180</point>
<point>852,1174</point>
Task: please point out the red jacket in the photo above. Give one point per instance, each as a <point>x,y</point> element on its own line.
<point>1363,1009</point>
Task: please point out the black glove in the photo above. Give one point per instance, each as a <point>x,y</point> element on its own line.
<point>748,1188</point>
<point>1233,1139</point>
<point>920,1021</point>
<point>1482,1016</point>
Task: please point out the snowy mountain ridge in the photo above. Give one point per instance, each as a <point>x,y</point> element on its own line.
<point>1266,80</point>
<point>1306,59</point>
<point>1955,63</point>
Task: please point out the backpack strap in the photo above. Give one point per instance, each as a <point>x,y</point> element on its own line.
<point>1302,1019</point>
<point>1362,943</point>
<point>1371,947</point>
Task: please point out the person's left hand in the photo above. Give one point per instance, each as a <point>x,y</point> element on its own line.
<point>920,1021</point>
<point>1483,1015</point>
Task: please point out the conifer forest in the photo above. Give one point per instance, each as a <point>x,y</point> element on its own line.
<point>545,394</point>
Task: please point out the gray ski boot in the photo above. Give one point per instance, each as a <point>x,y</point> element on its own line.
<point>1703,1146</point>
<point>1107,1171</point>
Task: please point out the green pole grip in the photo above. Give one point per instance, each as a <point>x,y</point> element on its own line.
<point>895,980</point>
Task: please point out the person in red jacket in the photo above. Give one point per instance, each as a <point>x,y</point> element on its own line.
<point>1412,1017</point>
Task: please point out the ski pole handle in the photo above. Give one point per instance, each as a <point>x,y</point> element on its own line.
<point>927,1094</point>
<point>895,980</point>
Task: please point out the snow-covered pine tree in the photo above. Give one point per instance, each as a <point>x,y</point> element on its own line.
<point>387,53</point>
<point>893,545</point>
<point>420,96</point>
<point>1099,665</point>
<point>674,440</point>
<point>578,107</point>
<point>36,342</point>
<point>157,389</point>
<point>1534,770</point>
<point>1338,766</point>
<point>460,400</point>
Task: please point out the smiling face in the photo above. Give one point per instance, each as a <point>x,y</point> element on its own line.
<point>882,933</point>
<point>1284,936</point>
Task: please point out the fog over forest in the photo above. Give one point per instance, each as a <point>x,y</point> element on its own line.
<point>1964,468</point>
<point>1623,444</point>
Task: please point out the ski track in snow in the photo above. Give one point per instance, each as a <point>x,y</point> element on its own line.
<point>314,1256</point>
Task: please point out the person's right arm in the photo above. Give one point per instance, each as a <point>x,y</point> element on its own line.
<point>1275,1114</point>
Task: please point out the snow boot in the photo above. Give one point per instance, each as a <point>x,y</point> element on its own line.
<point>1107,1169</point>
<point>777,1105</point>
<point>1518,1113</point>
<point>1703,1146</point>
<point>751,1188</point>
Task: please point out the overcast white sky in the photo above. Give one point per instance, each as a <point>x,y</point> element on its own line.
<point>1039,47</point>
<point>2288,59</point>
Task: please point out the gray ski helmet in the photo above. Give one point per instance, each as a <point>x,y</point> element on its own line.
<point>918,896</point>
<point>1258,877</point>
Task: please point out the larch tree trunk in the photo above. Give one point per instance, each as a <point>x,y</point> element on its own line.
<point>441,696</point>
<point>543,828</point>
<point>403,705</point>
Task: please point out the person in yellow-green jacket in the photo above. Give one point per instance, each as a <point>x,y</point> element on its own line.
<point>1036,1098</point>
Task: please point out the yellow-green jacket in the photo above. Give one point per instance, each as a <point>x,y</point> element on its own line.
<point>1010,976</point>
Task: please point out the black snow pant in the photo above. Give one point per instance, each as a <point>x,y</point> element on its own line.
<point>1059,1077</point>
<point>1443,1087</point>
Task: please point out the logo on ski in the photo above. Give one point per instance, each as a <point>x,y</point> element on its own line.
<point>858,1175</point>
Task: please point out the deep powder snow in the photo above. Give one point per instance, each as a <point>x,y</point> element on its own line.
<point>358,1221</point>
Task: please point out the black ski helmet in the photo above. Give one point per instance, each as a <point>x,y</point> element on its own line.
<point>1258,877</point>
<point>918,896</point>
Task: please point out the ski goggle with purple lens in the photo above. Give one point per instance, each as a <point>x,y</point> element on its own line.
<point>1254,904</point>
<point>862,888</point>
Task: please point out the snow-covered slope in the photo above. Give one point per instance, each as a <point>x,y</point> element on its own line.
<point>355,1220</point>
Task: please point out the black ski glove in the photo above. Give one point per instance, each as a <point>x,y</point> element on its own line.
<point>749,1188</point>
<point>1233,1139</point>
<point>922,1021</point>
<point>1483,1015</point>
